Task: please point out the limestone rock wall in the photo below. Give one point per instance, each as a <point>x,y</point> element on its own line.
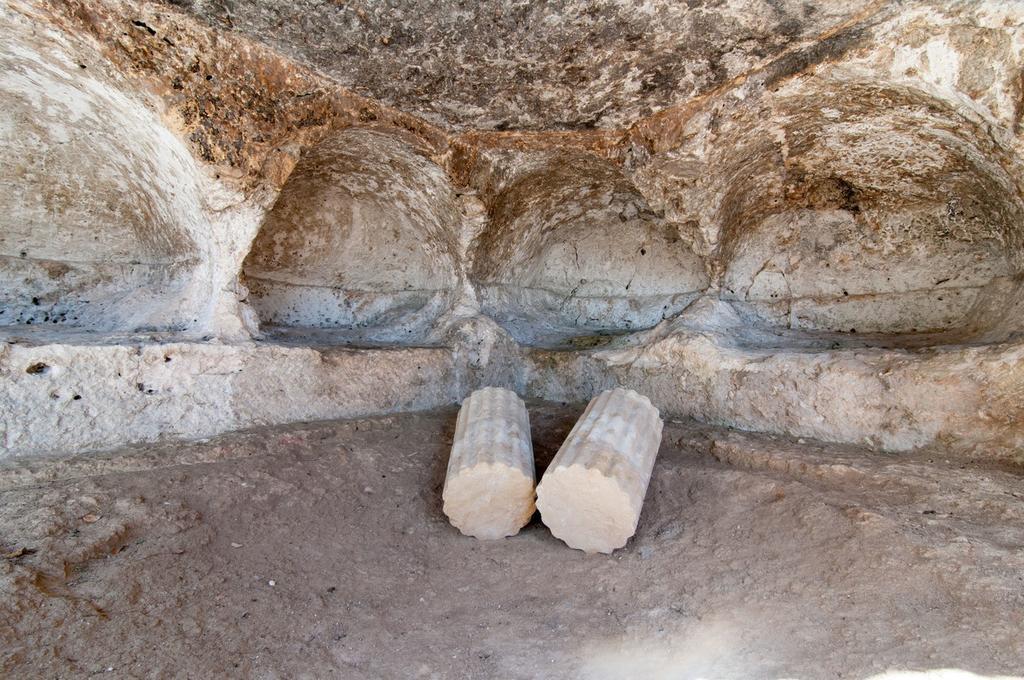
<point>63,398</point>
<point>105,216</point>
<point>840,206</point>
<point>361,236</point>
<point>573,246</point>
<point>809,220</point>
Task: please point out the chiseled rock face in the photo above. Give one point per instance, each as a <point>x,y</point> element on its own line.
<point>592,493</point>
<point>108,220</point>
<point>68,397</point>
<point>712,365</point>
<point>802,217</point>
<point>361,236</point>
<point>88,216</point>
<point>573,246</point>
<point>488,489</point>
<point>877,210</point>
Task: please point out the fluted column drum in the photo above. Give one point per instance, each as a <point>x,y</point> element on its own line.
<point>592,493</point>
<point>489,488</point>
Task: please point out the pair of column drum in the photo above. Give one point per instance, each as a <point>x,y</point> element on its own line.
<point>591,494</point>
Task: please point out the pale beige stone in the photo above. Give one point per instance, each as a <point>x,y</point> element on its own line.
<point>489,488</point>
<point>592,493</point>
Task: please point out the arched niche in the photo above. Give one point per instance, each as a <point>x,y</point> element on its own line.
<point>360,239</point>
<point>101,217</point>
<point>868,209</point>
<point>572,249</point>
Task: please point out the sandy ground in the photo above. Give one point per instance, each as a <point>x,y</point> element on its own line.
<point>320,550</point>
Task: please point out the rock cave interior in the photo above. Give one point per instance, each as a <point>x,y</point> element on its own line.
<point>254,254</point>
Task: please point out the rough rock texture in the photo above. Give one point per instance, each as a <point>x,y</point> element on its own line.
<point>804,218</point>
<point>320,550</point>
<point>62,398</point>
<point>362,235</point>
<point>499,64</point>
<point>849,206</point>
<point>593,491</point>
<point>709,365</point>
<point>796,217</point>
<point>572,244</point>
<point>106,220</point>
<point>241,107</point>
<point>488,489</point>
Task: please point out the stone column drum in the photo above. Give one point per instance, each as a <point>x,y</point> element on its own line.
<point>591,495</point>
<point>489,488</point>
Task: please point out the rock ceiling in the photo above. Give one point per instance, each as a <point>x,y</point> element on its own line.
<point>518,65</point>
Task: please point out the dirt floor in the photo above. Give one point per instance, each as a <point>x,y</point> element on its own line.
<point>320,550</point>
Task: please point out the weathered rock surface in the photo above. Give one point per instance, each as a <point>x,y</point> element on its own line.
<point>56,399</point>
<point>106,219</point>
<point>811,212</point>
<point>572,246</point>
<point>361,236</point>
<point>521,65</point>
<point>797,217</point>
<point>710,365</point>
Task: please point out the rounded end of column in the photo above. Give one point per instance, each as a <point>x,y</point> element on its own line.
<point>628,393</point>
<point>585,509</point>
<point>489,501</point>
